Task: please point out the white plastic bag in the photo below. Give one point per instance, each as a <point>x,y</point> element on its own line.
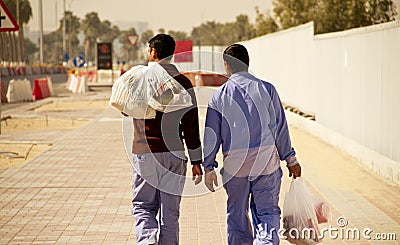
<point>129,96</point>
<point>299,217</point>
<point>167,94</point>
<point>142,90</point>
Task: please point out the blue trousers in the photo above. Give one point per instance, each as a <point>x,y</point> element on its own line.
<point>263,194</point>
<point>157,184</point>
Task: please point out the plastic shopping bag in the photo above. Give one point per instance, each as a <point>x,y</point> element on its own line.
<point>300,219</point>
<point>142,90</point>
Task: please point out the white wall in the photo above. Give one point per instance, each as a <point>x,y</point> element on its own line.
<point>359,86</point>
<point>208,59</point>
<point>287,60</point>
<point>349,80</point>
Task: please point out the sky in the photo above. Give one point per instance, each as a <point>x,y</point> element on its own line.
<point>176,15</point>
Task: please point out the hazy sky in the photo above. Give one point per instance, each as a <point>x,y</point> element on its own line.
<point>177,15</point>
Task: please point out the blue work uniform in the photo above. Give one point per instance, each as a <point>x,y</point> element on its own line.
<point>159,163</point>
<point>246,117</point>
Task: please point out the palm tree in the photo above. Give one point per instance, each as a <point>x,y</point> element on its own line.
<point>129,52</point>
<point>25,15</point>
<point>91,27</point>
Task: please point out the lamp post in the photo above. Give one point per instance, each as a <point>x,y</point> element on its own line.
<point>19,35</point>
<point>64,32</point>
<point>67,49</point>
<point>41,31</point>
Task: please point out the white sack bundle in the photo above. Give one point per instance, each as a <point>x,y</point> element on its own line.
<point>144,89</point>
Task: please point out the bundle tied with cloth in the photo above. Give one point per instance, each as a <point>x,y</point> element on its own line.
<point>143,90</point>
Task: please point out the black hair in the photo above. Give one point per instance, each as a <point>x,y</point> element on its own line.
<point>164,45</point>
<point>237,57</point>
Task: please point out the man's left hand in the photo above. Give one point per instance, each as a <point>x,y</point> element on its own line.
<point>197,173</point>
<point>295,171</point>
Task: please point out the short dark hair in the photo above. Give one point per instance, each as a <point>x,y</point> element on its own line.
<point>164,44</point>
<point>237,57</point>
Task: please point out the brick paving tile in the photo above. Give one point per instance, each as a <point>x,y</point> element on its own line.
<point>79,191</point>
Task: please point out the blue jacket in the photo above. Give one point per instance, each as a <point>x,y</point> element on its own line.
<point>246,117</point>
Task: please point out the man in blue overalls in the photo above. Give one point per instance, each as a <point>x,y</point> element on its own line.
<point>246,117</point>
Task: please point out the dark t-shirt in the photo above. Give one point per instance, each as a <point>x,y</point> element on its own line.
<point>167,131</point>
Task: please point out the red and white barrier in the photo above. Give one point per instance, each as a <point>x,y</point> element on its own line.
<point>21,69</point>
<point>10,71</point>
<point>19,91</point>
<point>106,77</point>
<point>4,71</point>
<point>40,89</point>
<point>50,85</point>
<point>29,70</point>
<point>77,84</point>
<point>92,76</point>
<point>3,92</point>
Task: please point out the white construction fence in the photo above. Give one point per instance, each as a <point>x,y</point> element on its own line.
<point>348,80</point>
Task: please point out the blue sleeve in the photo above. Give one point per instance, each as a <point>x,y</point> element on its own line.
<point>212,136</point>
<point>279,127</point>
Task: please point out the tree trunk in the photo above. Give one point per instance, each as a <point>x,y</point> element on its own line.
<point>5,46</point>
<point>13,46</point>
<point>2,48</point>
<point>21,43</point>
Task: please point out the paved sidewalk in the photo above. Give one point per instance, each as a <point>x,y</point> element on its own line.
<point>79,192</point>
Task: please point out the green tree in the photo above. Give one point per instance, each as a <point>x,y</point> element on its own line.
<point>178,35</point>
<point>264,23</point>
<point>380,11</point>
<point>51,44</point>
<point>333,15</point>
<point>72,29</point>
<point>208,33</point>
<point>129,52</point>
<point>143,45</point>
<point>91,27</point>
<point>243,28</point>
<point>291,13</point>
<point>109,32</point>
<point>25,15</point>
<point>145,37</point>
<point>96,30</point>
<point>3,46</point>
<point>30,50</point>
<point>215,33</point>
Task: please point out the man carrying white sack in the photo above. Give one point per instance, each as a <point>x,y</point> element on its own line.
<point>159,159</point>
<point>246,117</point>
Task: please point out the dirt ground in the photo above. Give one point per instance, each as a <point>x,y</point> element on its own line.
<point>15,154</point>
<point>74,105</point>
<point>39,123</point>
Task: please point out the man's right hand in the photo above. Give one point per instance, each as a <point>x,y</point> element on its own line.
<point>295,171</point>
<point>210,179</point>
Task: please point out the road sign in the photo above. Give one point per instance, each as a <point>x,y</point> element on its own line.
<point>7,21</point>
<point>66,56</point>
<point>104,56</point>
<point>79,61</point>
<point>133,39</point>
